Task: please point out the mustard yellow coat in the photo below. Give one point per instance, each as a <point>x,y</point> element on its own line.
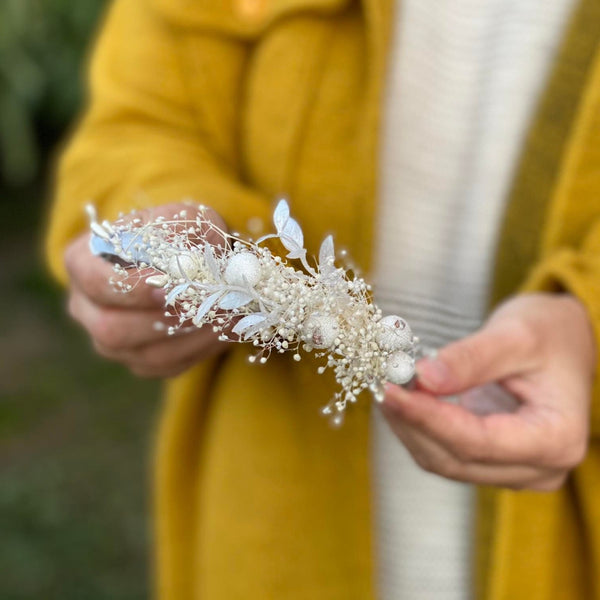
<point>232,103</point>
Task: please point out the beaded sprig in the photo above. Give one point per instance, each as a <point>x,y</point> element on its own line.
<point>249,294</point>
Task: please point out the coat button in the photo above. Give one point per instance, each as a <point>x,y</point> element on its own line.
<point>251,9</point>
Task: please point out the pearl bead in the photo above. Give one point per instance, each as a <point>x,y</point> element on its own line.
<point>243,269</point>
<point>157,281</point>
<point>394,334</point>
<point>399,368</point>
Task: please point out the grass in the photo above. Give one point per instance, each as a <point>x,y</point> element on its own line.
<point>75,434</point>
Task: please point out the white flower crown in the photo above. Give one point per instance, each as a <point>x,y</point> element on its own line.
<point>248,294</point>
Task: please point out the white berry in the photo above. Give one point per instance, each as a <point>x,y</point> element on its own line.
<point>184,265</point>
<point>399,368</point>
<point>243,269</point>
<point>394,334</point>
<point>320,331</point>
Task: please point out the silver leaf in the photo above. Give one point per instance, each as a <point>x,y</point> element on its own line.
<point>296,253</point>
<point>100,246</point>
<point>234,300</point>
<point>247,322</point>
<point>176,291</point>
<point>281,215</point>
<point>326,254</point>
<point>134,248</point>
<point>211,262</point>
<point>291,236</point>
<point>205,307</point>
<point>100,231</point>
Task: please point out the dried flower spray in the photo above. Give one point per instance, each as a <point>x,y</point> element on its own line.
<point>249,294</point>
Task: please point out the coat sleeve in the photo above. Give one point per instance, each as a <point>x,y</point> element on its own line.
<point>578,272</point>
<point>571,250</point>
<point>144,138</point>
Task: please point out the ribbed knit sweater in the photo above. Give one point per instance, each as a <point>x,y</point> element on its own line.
<point>463,84</point>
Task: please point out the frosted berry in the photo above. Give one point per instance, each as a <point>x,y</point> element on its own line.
<point>321,331</point>
<point>243,269</point>
<point>394,334</point>
<point>399,368</point>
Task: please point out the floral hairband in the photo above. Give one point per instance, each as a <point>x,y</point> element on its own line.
<point>249,294</point>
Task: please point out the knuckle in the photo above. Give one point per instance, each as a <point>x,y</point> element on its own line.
<point>156,359</point>
<point>575,454</point>
<point>450,469</point>
<point>107,353</point>
<point>94,286</point>
<point>465,454</point>
<point>471,453</point>
<point>147,371</point>
<point>70,258</point>
<point>571,452</point>
<point>74,257</point>
<point>143,372</point>
<point>549,484</point>
<point>152,357</point>
<point>443,466</point>
<point>466,356</point>
<point>101,350</point>
<point>522,334</point>
<point>516,487</point>
<point>73,307</point>
<point>424,462</point>
<point>108,332</point>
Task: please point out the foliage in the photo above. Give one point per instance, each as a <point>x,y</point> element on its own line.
<point>42,43</point>
<point>74,439</point>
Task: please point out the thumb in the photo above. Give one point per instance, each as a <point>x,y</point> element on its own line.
<point>497,351</point>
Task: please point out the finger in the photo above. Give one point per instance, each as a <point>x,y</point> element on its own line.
<point>168,356</point>
<point>166,371</point>
<point>523,437</point>
<point>92,275</point>
<point>434,458</point>
<point>117,328</point>
<point>502,349</point>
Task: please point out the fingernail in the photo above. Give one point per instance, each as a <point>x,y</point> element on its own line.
<point>432,373</point>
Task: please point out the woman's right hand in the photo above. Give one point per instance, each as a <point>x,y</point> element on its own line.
<point>131,328</point>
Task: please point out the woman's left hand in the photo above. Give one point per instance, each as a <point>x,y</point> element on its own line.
<point>538,347</point>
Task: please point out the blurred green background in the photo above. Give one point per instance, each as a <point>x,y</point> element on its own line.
<point>75,431</point>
